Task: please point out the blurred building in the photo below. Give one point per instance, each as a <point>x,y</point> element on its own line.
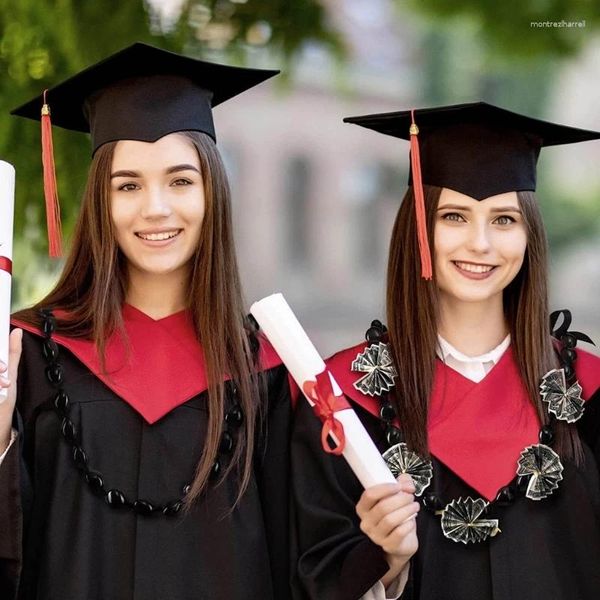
<point>315,199</point>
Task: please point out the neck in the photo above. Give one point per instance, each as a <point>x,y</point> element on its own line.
<point>157,295</point>
<point>473,328</point>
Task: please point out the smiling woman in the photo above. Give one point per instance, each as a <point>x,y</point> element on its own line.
<point>496,421</point>
<point>149,418</point>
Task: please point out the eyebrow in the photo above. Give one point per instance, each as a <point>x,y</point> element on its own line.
<point>506,209</point>
<point>169,171</point>
<point>468,209</point>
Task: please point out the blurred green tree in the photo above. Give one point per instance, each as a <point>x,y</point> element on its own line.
<point>239,27</point>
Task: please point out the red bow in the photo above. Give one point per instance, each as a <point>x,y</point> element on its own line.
<point>5,264</point>
<point>325,407</point>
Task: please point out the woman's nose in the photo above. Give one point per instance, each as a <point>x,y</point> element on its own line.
<point>156,204</point>
<point>479,238</point>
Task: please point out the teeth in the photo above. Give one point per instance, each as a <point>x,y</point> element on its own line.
<point>473,268</point>
<point>157,237</point>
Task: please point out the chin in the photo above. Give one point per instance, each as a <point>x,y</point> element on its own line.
<point>160,269</point>
<point>463,293</point>
<point>474,297</point>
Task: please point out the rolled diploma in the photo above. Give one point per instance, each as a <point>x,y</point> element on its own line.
<point>7,207</point>
<point>303,362</point>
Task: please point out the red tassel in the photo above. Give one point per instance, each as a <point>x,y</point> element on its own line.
<point>415,163</point>
<point>50,189</point>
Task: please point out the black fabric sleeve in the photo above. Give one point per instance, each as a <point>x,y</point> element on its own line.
<point>15,489</point>
<point>11,521</point>
<point>336,560</point>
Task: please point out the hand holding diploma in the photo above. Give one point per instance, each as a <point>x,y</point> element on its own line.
<point>388,517</point>
<point>302,360</point>
<point>9,360</point>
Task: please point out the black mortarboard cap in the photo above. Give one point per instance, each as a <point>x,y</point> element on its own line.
<point>143,93</point>
<point>476,149</point>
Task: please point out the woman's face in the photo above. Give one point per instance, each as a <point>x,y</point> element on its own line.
<point>157,203</point>
<point>479,245</point>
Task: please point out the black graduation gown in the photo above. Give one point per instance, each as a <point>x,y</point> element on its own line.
<point>547,550</point>
<point>59,541</point>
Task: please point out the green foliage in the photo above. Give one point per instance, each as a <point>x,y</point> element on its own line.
<point>459,66</point>
<point>524,29</point>
<point>237,28</point>
<point>569,218</point>
<point>41,44</point>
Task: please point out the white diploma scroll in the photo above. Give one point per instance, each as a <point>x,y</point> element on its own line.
<point>7,207</point>
<point>303,362</point>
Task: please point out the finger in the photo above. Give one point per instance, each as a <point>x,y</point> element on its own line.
<point>377,524</point>
<point>403,539</point>
<point>387,505</point>
<point>2,367</point>
<point>4,382</point>
<point>392,520</point>
<point>15,345</point>
<point>406,483</point>
<point>374,494</point>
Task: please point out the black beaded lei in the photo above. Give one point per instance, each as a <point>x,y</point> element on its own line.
<point>115,498</point>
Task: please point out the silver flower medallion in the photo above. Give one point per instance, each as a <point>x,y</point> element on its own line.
<point>400,459</point>
<point>543,467</point>
<point>461,521</point>
<point>376,362</point>
<point>565,404</point>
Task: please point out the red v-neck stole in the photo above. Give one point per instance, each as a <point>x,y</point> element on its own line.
<point>159,366</point>
<point>478,430</point>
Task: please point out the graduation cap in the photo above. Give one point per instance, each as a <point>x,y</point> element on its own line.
<point>476,149</point>
<point>140,93</point>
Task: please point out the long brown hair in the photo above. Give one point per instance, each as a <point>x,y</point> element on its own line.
<point>413,312</point>
<point>93,285</point>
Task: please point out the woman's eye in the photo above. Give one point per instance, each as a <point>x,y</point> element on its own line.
<point>182,181</point>
<point>128,187</point>
<point>504,220</point>
<point>453,217</point>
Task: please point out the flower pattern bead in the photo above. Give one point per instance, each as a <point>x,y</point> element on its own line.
<point>462,522</point>
<point>376,362</point>
<point>564,403</point>
<point>543,468</point>
<point>400,459</point>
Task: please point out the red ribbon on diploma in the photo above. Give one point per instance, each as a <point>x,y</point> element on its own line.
<point>326,405</point>
<point>6,264</point>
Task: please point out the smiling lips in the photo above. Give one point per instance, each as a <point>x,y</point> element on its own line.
<point>158,236</point>
<point>473,270</point>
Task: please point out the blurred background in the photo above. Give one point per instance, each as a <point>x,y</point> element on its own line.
<point>315,199</point>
